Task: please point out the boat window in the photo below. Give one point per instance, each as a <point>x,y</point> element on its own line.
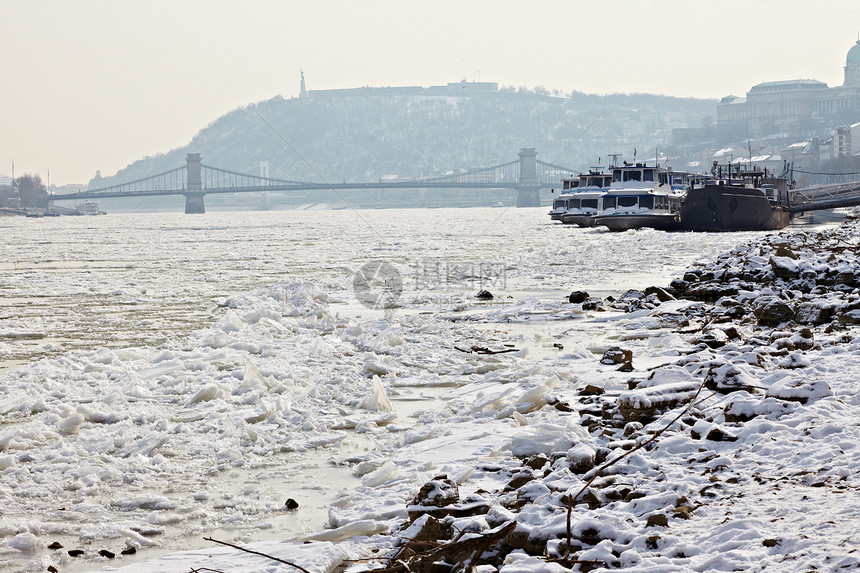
<point>627,201</point>
<point>633,175</point>
<point>589,203</point>
<point>646,202</point>
<point>573,204</point>
<point>616,175</point>
<point>660,202</point>
<point>609,202</point>
<point>648,175</point>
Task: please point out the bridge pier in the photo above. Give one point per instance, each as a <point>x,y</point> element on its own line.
<point>528,197</point>
<point>194,204</point>
<point>527,192</point>
<point>194,200</point>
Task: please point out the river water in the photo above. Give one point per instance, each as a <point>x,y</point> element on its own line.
<point>164,376</point>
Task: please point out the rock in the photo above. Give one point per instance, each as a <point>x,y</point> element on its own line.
<point>592,304</point>
<point>581,458</point>
<point>519,481</point>
<point>784,267</point>
<point>784,250</point>
<point>799,390</point>
<point>772,311</point>
<point>591,390</point>
<point>728,378</point>
<point>657,520</point>
<point>55,545</point>
<point>713,338</point>
<point>578,297</point>
<point>438,492</point>
<point>434,530</point>
<point>813,313</point>
<point>291,504</point>
<point>537,461</point>
<point>661,294</point>
<point>484,295</point>
<point>643,404</point>
<point>717,434</point>
<point>616,355</point>
<point>711,292</point>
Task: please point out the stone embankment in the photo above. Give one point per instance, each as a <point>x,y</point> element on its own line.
<point>683,441</point>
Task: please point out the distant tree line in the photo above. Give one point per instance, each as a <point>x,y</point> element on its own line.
<point>26,192</point>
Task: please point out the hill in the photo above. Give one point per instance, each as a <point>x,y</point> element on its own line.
<point>363,134</point>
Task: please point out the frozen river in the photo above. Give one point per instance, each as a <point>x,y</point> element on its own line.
<point>165,377</point>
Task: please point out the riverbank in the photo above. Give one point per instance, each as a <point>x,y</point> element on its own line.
<point>730,412</point>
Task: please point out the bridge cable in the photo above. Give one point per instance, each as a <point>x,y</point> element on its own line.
<point>578,137</point>
<point>312,168</point>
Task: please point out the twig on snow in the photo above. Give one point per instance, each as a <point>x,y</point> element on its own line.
<point>273,558</point>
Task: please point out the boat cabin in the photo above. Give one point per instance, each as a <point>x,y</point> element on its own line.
<point>640,175</point>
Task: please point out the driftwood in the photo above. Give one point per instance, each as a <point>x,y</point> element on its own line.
<point>484,350</point>
<point>415,557</point>
<point>273,558</point>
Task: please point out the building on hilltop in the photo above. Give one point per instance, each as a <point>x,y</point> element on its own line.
<point>805,106</point>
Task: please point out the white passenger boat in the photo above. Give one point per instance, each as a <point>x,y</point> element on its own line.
<point>584,205</point>
<point>642,196</point>
<point>559,205</point>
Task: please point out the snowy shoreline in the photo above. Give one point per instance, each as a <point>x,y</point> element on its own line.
<point>517,436</point>
<point>759,474</point>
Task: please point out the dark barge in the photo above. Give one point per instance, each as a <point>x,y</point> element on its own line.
<point>739,201</point>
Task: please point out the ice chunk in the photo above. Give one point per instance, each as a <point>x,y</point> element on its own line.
<point>71,423</point>
<point>377,400</point>
<point>354,529</point>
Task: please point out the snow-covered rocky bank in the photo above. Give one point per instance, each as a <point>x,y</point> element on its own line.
<point>756,352</point>
<point>740,453</point>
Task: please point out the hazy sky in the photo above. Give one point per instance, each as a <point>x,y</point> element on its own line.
<point>97,84</point>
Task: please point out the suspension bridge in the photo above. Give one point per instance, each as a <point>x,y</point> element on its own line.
<point>526,175</point>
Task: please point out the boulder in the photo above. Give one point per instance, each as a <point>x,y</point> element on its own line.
<point>578,297</point>
<point>772,311</point>
<point>617,355</point>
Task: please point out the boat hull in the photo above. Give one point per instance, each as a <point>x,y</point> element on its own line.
<point>724,208</point>
<point>580,220</point>
<point>621,222</point>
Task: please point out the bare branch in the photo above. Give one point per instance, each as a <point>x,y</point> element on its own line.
<point>299,567</point>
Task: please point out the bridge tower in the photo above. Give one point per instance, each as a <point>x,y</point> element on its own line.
<point>529,184</point>
<point>194,186</point>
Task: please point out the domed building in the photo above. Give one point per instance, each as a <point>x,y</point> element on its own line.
<point>852,66</point>
<point>800,107</point>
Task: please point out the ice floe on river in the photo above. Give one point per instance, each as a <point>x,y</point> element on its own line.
<point>427,421</point>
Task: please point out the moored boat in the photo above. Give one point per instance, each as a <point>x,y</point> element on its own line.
<point>732,199</point>
<point>642,196</point>
<point>559,205</point>
<point>583,205</point>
